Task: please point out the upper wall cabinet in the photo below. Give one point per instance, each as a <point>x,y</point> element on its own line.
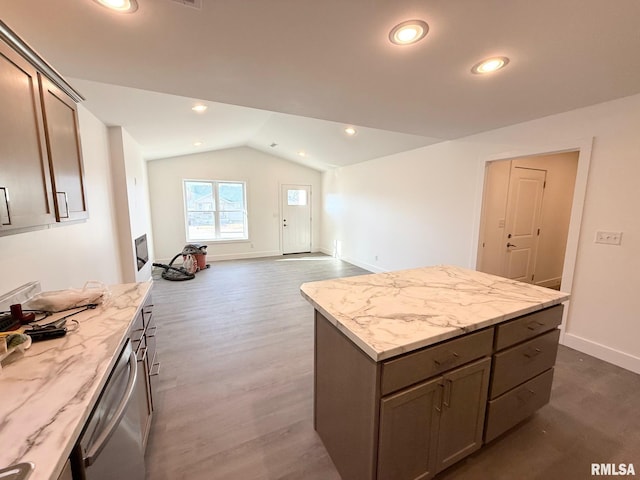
<point>65,154</point>
<point>41,171</point>
<point>26,198</point>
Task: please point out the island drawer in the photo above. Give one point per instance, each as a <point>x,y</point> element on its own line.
<point>529,326</point>
<point>511,408</point>
<point>412,368</point>
<point>518,364</point>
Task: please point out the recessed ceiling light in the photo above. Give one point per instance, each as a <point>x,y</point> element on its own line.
<point>302,153</point>
<point>490,65</point>
<point>350,131</point>
<point>408,32</point>
<point>122,6</point>
<point>197,144</point>
<point>199,108</point>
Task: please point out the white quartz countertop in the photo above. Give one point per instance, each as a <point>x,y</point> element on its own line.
<point>387,314</point>
<point>47,395</point>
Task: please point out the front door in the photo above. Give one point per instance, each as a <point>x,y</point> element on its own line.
<point>296,218</point>
<point>522,227</point>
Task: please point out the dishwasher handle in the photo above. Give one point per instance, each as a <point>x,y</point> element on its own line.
<point>93,453</point>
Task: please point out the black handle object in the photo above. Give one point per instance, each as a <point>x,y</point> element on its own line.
<point>46,333</point>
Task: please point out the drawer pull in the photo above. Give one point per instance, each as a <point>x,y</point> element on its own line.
<point>447,360</point>
<point>534,353</point>
<point>535,325</point>
<point>155,370</point>
<point>524,397</point>
<point>142,354</point>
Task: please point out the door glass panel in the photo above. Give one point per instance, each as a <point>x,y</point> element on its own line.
<point>297,197</point>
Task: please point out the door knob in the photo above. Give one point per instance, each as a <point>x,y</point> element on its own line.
<point>509,244</point>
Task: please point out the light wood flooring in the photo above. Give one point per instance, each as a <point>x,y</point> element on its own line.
<point>234,396</point>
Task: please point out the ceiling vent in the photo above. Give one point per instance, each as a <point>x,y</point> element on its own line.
<point>197,4</point>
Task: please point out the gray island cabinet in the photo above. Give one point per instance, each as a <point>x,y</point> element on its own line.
<point>416,369</point>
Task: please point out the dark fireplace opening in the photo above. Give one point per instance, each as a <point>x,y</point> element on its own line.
<point>142,253</point>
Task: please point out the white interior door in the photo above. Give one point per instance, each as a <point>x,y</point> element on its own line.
<point>522,227</point>
<point>296,218</point>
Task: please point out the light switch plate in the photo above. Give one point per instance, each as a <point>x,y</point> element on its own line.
<point>609,238</point>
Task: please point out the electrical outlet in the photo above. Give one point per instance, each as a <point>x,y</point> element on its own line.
<point>609,238</point>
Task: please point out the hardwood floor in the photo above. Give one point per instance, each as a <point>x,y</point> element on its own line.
<point>234,396</point>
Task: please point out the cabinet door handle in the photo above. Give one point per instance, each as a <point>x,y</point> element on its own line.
<point>438,406</point>
<point>5,192</point>
<point>531,354</point>
<point>447,393</point>
<point>66,204</point>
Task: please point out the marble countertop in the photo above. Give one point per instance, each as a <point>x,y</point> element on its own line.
<point>387,314</point>
<point>47,395</point>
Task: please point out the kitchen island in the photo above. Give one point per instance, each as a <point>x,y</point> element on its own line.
<point>47,396</point>
<point>416,369</point>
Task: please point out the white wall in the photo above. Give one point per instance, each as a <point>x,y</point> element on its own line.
<point>263,174</point>
<point>423,208</point>
<point>70,255</point>
<point>408,209</point>
<point>132,202</point>
<point>494,205</point>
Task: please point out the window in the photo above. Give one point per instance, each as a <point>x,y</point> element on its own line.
<point>297,197</point>
<point>215,210</point>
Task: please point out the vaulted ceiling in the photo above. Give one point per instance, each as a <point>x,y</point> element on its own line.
<point>331,61</point>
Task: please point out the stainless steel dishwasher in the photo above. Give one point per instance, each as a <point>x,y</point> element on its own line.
<point>110,446</point>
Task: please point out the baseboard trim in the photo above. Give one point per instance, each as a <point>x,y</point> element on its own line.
<point>228,256</point>
<point>550,283</point>
<point>608,354</point>
<point>366,266</point>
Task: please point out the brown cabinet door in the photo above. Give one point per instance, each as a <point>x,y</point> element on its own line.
<point>25,185</point>
<point>463,406</point>
<point>65,154</point>
<point>408,432</point>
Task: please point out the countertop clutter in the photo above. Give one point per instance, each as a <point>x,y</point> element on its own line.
<point>48,394</point>
<point>388,314</point>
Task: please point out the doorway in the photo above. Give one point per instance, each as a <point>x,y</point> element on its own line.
<point>296,218</point>
<point>525,217</point>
